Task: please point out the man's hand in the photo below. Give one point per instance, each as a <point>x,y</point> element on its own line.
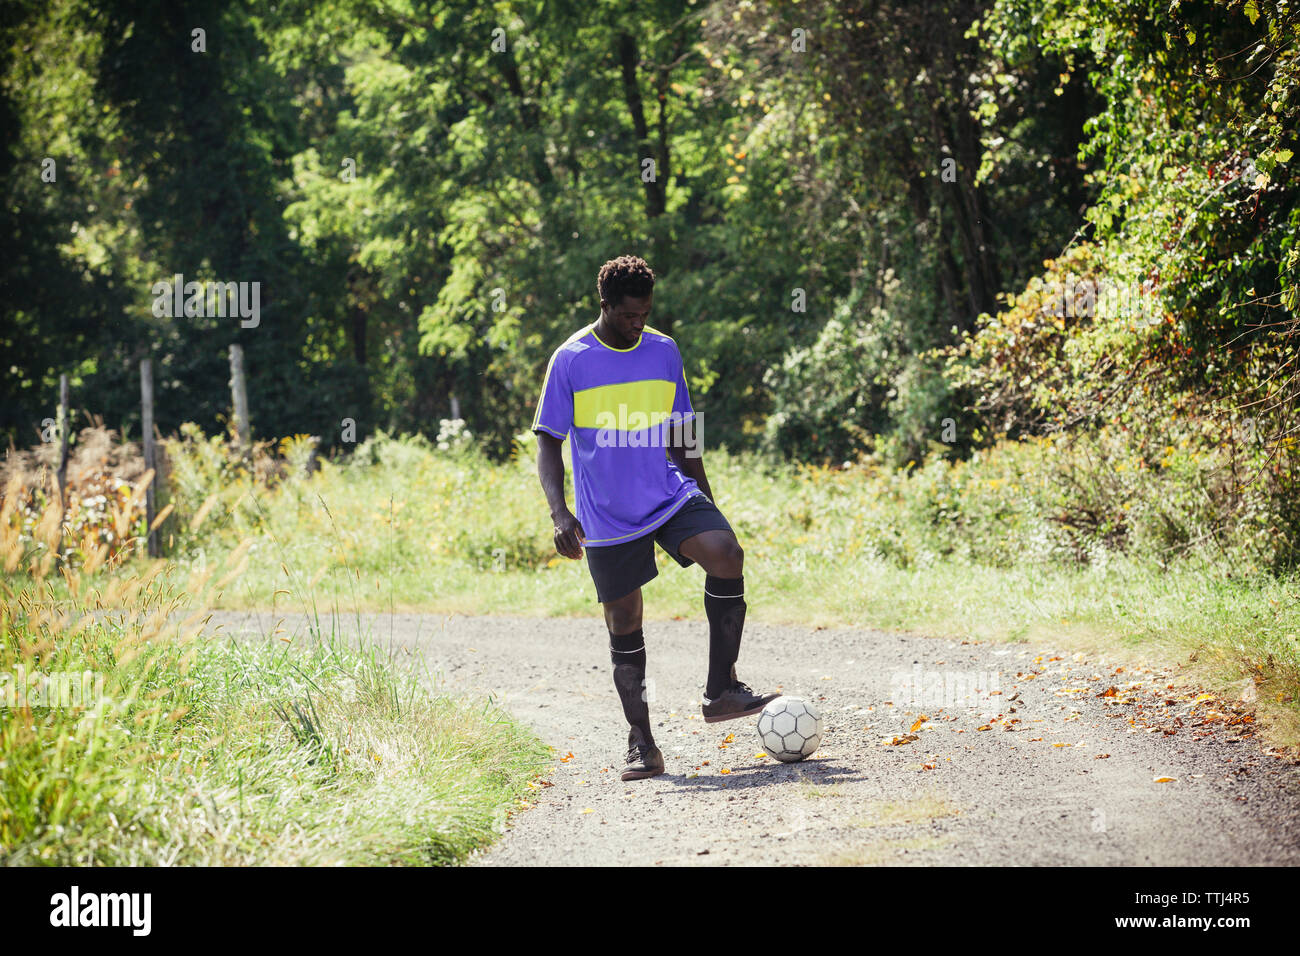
<point>569,536</point>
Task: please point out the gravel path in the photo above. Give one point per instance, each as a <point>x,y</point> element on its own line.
<point>1025,756</point>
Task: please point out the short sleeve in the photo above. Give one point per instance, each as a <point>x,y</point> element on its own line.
<point>682,409</point>
<point>555,408</point>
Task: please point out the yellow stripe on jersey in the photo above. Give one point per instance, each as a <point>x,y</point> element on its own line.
<point>628,406</point>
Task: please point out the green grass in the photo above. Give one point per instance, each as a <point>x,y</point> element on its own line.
<point>307,750</point>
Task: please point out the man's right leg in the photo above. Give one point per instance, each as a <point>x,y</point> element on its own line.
<point>627,653</point>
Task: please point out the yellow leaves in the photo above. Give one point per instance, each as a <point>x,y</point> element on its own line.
<point>567,757</point>
<point>760,755</point>
<point>725,770</point>
<point>920,722</point>
<point>1166,780</point>
<point>985,727</point>
<point>899,740</point>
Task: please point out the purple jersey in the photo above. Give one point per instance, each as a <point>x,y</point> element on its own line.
<point>617,406</point>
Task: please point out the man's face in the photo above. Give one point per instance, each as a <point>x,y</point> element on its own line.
<point>626,320</point>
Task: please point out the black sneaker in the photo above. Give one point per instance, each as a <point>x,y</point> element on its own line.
<point>642,760</point>
<point>736,701</point>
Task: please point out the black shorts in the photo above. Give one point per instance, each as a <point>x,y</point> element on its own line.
<point>619,569</point>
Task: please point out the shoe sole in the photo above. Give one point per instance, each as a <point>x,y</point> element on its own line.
<point>744,713</point>
<point>640,774</point>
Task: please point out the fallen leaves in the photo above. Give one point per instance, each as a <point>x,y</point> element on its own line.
<point>899,740</point>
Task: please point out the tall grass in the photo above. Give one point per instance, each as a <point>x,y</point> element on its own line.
<point>312,749</point>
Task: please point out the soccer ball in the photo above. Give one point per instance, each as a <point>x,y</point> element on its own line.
<point>790,729</point>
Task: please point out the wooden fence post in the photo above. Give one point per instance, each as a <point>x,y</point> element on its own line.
<point>239,391</point>
<point>64,416</point>
<point>150,452</point>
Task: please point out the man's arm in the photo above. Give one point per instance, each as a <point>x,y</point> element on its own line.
<point>685,451</point>
<point>569,536</point>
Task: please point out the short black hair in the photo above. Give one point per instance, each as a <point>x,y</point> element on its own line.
<point>626,275</point>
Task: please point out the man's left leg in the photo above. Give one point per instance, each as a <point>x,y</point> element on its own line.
<point>723,560</point>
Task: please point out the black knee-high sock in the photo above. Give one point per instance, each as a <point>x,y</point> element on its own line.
<point>627,652</point>
<point>724,603</point>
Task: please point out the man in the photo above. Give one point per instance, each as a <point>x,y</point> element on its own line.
<point>617,388</point>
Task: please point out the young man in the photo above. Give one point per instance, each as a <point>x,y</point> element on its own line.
<point>617,388</point>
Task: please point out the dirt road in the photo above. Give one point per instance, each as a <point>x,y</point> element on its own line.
<point>1025,756</point>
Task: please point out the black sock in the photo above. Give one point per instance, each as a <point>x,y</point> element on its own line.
<point>724,603</point>
<point>627,652</point>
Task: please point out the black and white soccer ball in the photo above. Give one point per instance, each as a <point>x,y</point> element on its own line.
<point>790,729</point>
